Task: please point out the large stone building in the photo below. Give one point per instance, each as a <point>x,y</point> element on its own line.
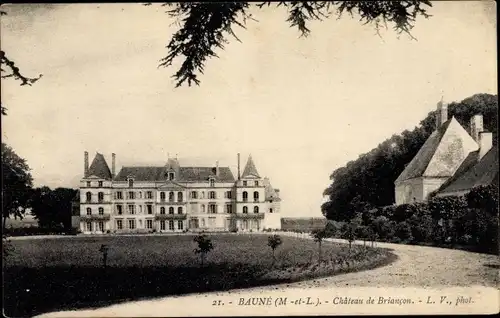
<point>173,198</point>
<point>451,162</point>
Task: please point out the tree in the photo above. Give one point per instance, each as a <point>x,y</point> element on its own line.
<point>319,235</point>
<point>273,242</point>
<point>16,185</point>
<point>204,246</point>
<point>52,208</point>
<point>349,232</point>
<point>205,27</point>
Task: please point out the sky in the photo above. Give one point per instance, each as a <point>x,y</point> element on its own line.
<point>302,107</point>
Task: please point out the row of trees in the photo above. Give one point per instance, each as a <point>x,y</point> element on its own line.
<point>52,208</point>
<point>470,220</point>
<point>368,182</point>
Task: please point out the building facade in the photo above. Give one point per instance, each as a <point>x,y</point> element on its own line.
<point>451,162</point>
<point>173,198</point>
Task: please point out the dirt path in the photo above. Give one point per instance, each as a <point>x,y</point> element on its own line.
<point>417,267</point>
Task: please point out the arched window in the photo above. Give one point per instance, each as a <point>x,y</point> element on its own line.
<point>245,209</point>
<point>171,210</point>
<point>179,210</point>
<point>245,196</point>
<point>101,211</point>
<point>171,196</point>
<point>203,208</point>
<point>255,209</point>
<point>162,210</point>
<point>256,196</point>
<point>271,210</point>
<point>212,195</point>
<point>179,197</point>
<point>89,211</point>
<point>162,196</point>
<point>100,196</point>
<point>88,196</point>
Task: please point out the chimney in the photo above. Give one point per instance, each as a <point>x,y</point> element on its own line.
<point>239,175</point>
<point>113,164</point>
<point>476,126</point>
<point>217,168</point>
<point>86,163</point>
<point>441,113</point>
<point>485,143</point>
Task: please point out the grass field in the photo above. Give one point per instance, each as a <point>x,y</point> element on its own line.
<point>45,275</point>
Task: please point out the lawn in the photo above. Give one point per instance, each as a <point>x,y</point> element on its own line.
<point>45,275</point>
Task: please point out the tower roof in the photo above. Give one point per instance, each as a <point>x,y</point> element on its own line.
<point>99,168</point>
<point>250,170</point>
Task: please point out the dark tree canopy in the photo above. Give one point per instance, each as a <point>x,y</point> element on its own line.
<point>368,181</point>
<point>52,208</point>
<point>205,27</point>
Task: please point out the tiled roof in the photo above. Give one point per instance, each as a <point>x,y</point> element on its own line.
<point>99,168</point>
<point>474,173</point>
<point>187,174</point>
<point>419,163</point>
<point>250,169</point>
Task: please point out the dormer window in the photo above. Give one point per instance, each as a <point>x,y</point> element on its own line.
<point>171,176</point>
<point>100,184</point>
<point>212,182</point>
<point>130,183</point>
<point>245,183</point>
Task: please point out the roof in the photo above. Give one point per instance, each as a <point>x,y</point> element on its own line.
<point>99,168</point>
<point>270,193</point>
<point>441,154</point>
<point>474,173</point>
<point>250,169</point>
<point>187,174</point>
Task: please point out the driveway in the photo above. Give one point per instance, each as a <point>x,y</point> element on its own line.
<point>468,281</point>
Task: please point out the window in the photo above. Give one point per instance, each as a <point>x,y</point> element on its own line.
<point>119,209</point>
<point>131,224</point>
<point>212,208</point>
<point>171,225</point>
<point>162,210</point>
<point>256,183</point>
<point>171,210</point>
<point>245,196</point>
<point>171,176</point>
<point>162,225</point>
<point>256,196</point>
<point>140,209</point>
<point>119,195</point>
<point>101,226</point>
<point>194,195</point>
<point>119,224</point>
<point>229,208</point>
<point>170,197</point>
<point>245,209</point>
<point>89,211</point>
<point>255,209</point>
<point>179,210</point>
<point>101,211</point>
<point>89,226</point>
<point>149,224</point>
<point>131,209</point>
<point>88,196</point>
<point>162,196</point>
<point>203,208</point>
<point>179,197</point>
<point>212,195</point>
<point>180,225</point>
<point>212,182</point>
<point>100,197</point>
<point>89,184</point>
<point>245,224</point>
<point>100,184</point>
<point>130,183</point>
<point>131,195</point>
<point>140,194</point>
<point>271,210</point>
<point>149,194</point>
<point>229,194</point>
<point>245,183</point>
<point>150,208</point>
